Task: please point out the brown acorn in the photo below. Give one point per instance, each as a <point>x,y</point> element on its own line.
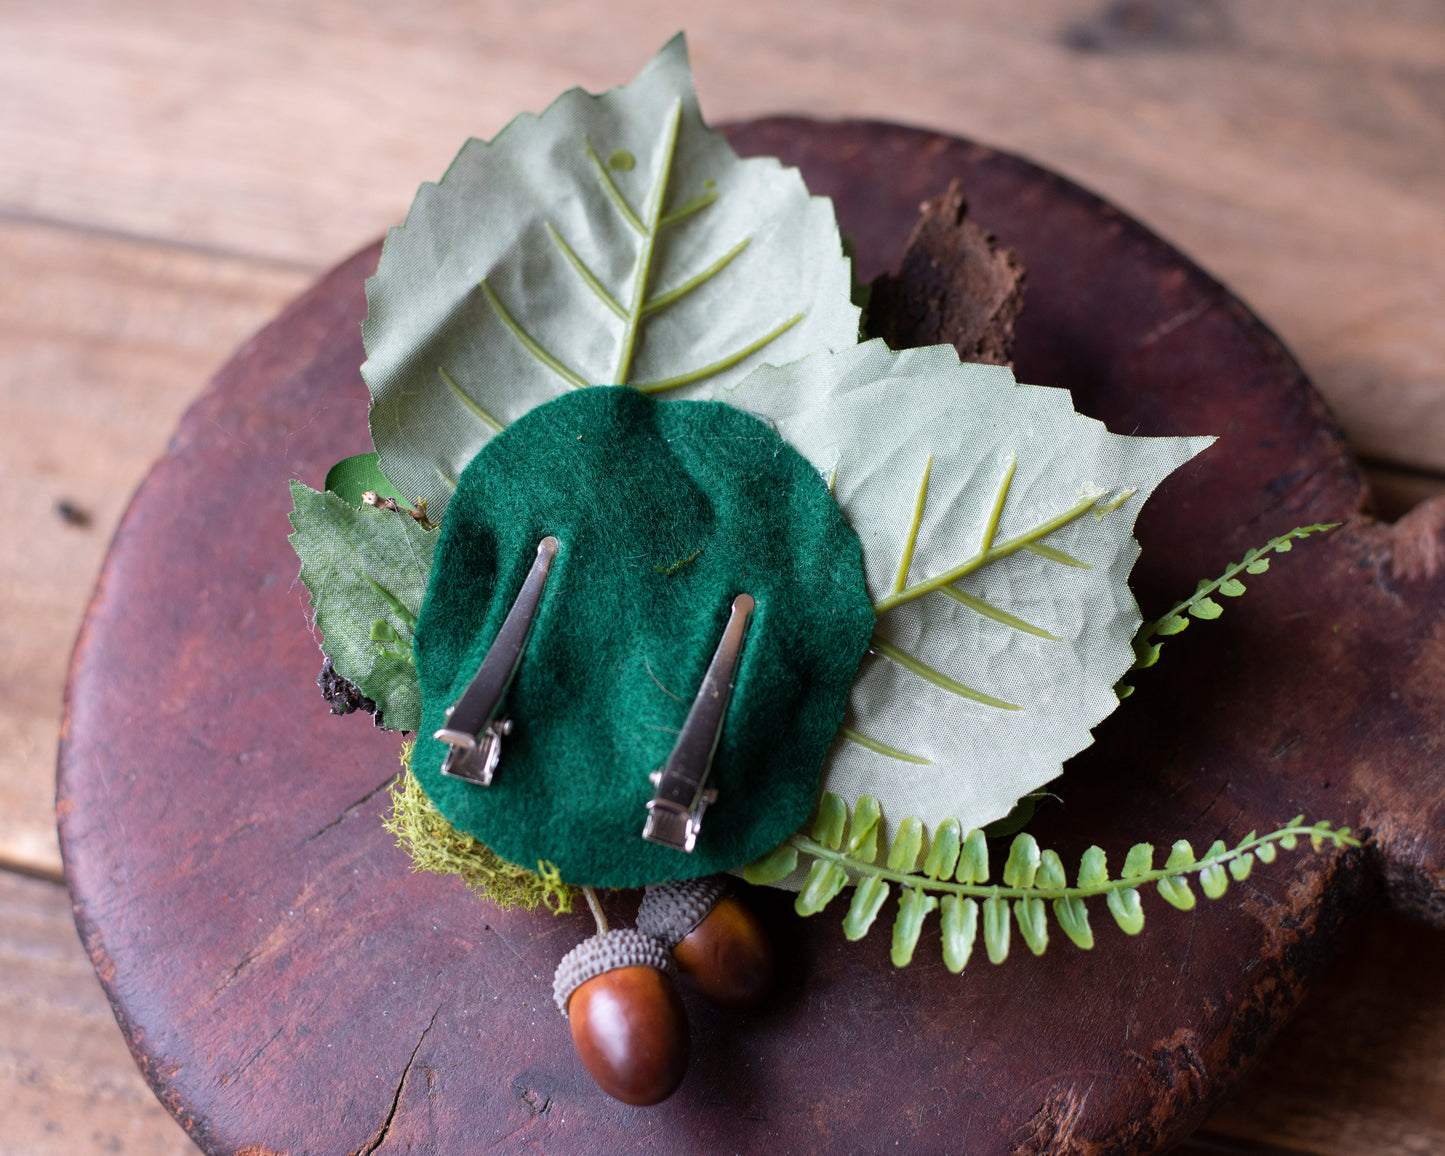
<point>628,1022</point>
<point>717,941</point>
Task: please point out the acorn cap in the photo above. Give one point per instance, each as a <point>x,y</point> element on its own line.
<point>605,952</point>
<point>670,911</point>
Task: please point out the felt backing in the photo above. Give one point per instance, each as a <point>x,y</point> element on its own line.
<point>665,511</point>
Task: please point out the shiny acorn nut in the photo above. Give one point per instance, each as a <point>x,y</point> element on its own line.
<point>628,1022</point>
<point>718,943</point>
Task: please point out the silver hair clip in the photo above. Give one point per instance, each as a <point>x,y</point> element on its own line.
<point>674,814</point>
<point>472,726</point>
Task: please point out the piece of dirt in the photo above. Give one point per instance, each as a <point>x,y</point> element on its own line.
<point>344,697</point>
<point>955,286</point>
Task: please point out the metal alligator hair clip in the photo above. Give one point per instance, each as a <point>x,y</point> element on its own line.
<point>472,726</point>
<point>674,814</point>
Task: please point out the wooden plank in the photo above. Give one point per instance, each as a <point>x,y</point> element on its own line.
<point>68,1084</point>
<point>1296,148</point>
<point>1396,492</point>
<point>103,342</point>
<point>1362,1070</point>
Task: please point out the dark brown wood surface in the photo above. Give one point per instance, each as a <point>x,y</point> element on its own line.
<point>288,986</point>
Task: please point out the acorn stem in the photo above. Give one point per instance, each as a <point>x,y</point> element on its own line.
<point>597,913</point>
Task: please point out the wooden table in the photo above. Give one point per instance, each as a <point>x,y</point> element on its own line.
<point>174,174</point>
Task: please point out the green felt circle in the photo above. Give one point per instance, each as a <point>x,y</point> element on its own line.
<point>665,511</point>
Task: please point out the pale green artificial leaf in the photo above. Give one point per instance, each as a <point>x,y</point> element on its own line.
<point>943,850</point>
<point>913,907</point>
<point>1073,917</point>
<point>863,834</point>
<point>868,898</point>
<point>996,928</point>
<point>613,239</point>
<point>959,927</point>
<point>1033,923</point>
<point>366,570</point>
<point>776,864</point>
<point>823,882</point>
<point>997,533</point>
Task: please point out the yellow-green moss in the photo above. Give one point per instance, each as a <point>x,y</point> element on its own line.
<point>435,845</point>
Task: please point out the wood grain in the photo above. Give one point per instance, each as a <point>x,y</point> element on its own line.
<point>103,341</point>
<point>1296,148</point>
<point>204,821</point>
<point>66,1080</point>
<point>1362,1069</point>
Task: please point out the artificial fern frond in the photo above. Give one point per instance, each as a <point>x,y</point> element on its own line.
<point>955,872</point>
<point>1201,605</point>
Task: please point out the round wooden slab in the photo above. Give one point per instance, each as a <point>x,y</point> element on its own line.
<point>288,986</point>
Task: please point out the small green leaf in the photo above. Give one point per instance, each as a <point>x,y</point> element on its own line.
<point>996,928</point>
<point>1284,546</point>
<point>351,477</point>
<point>1266,852</point>
<point>1016,820</point>
<point>943,851</point>
<point>1093,869</point>
<point>973,861</point>
<point>1289,842</point>
<point>360,565</point>
<point>832,819</point>
<point>1149,656</point>
<point>868,898</point>
<point>383,631</point>
<point>863,836</point>
<point>1139,861</point>
<point>1214,881</point>
<point>1258,566</point>
<point>777,864</point>
<point>1231,587</point>
<point>825,879</point>
<point>913,908</point>
<point>907,845</point>
<point>1175,889</point>
<point>1022,863</point>
<point>1128,912</point>
<point>1051,875</point>
<point>1073,916</point>
<point>959,919</point>
<point>1181,855</point>
<point>1172,625</point>
<point>1240,866</point>
<point>1033,923</point>
<point>1206,608</point>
